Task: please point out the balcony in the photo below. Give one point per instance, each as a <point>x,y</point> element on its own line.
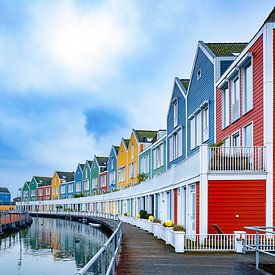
<point>236,159</point>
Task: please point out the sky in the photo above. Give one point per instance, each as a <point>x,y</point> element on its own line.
<point>77,76</point>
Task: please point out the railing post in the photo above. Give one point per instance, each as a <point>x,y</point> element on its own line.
<point>257,250</point>
<point>103,263</point>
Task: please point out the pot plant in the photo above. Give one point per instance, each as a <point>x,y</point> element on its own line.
<point>179,234</point>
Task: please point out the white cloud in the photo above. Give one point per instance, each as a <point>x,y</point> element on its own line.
<point>64,45</point>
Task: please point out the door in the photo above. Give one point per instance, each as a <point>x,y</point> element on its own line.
<point>192,211</point>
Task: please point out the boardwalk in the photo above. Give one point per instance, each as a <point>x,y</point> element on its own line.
<point>141,253</point>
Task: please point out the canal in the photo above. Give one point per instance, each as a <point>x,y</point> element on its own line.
<point>50,246</point>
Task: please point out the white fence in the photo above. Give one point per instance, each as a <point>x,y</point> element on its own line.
<point>210,242</point>
<point>236,159</point>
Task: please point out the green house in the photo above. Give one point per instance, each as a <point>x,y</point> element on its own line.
<point>26,191</point>
<point>86,179</point>
<point>33,189</point>
<point>99,165</point>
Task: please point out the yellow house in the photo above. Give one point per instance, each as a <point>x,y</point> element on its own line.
<point>139,140</point>
<point>122,170</point>
<point>57,179</point>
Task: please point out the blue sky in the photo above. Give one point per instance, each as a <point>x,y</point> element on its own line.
<point>76,76</point>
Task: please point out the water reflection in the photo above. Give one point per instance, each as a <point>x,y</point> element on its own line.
<point>50,246</point>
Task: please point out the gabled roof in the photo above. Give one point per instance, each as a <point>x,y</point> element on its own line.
<point>145,135</point>
<point>126,141</point>
<point>90,162</point>
<point>43,181</point>
<point>102,161</point>
<point>81,166</point>
<point>226,49</point>
<point>68,176</point>
<point>4,190</point>
<point>271,17</point>
<point>116,148</point>
<point>185,83</point>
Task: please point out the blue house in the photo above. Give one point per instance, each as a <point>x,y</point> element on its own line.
<point>176,123</point>
<point>112,168</point>
<point>78,178</point>
<point>5,195</point>
<point>211,61</point>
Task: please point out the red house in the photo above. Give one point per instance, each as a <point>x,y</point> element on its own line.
<point>43,188</point>
<point>243,194</point>
<point>103,182</point>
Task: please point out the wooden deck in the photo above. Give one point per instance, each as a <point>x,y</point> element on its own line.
<point>142,253</point>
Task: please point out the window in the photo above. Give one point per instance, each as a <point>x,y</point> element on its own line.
<point>175,112</point>
<point>199,74</point>
<point>198,129</point>
<point>48,191</point>
<point>205,124</point>
<point>86,185</point>
<point>236,139</point>
<point>132,170</point>
<point>78,187</point>
<point>226,142</point>
<point>121,174</point>
<point>33,193</point>
<point>94,183</point>
<point>175,145</point>
<point>235,98</point>
<point>133,151</point>
<point>113,178</point>
<point>248,136</point>
<point>193,132</point>
<point>63,189</point>
<point>112,162</point>
<point>70,188</point>
<point>86,173</point>
<point>40,192</point>
<point>247,88</point>
<point>144,162</point>
<point>103,181</point>
<point>158,156</point>
<point>225,107</point>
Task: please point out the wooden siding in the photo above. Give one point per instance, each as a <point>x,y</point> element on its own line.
<point>197,208</point>
<point>227,198</point>
<point>256,114</point>
<point>181,121</point>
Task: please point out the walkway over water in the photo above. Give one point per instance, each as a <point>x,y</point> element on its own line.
<point>142,253</point>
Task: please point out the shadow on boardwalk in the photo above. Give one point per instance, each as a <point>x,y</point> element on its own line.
<point>142,253</point>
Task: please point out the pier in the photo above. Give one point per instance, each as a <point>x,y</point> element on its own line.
<point>12,221</point>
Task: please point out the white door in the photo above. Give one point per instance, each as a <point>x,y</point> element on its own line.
<point>192,210</point>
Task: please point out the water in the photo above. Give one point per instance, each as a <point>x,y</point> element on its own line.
<point>49,247</point>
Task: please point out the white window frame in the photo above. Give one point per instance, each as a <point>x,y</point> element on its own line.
<point>244,134</point>
<point>175,112</point>
<point>235,98</point>
<point>246,96</point>
<point>175,144</point>
<point>199,74</point>
<point>233,135</point>
<point>205,124</point>
<point>193,132</point>
<point>225,107</point>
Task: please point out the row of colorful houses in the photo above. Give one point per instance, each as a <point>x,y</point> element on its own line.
<point>214,162</point>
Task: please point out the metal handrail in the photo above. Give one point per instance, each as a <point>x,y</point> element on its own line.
<point>115,242</point>
<point>257,247</point>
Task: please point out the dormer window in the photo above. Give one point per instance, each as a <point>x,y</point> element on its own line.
<point>175,112</point>
<point>199,74</point>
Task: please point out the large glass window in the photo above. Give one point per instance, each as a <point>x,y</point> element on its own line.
<point>225,107</point>
<point>248,136</point>
<point>235,98</point>
<point>205,124</point>
<point>247,88</point>
<point>175,111</point>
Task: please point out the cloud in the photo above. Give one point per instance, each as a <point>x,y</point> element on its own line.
<point>66,44</point>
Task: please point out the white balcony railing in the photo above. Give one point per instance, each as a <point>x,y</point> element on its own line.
<point>236,159</point>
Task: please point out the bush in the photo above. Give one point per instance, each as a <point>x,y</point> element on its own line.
<point>125,214</point>
<point>143,214</point>
<point>156,220</point>
<point>178,227</point>
<point>141,177</point>
<point>168,223</point>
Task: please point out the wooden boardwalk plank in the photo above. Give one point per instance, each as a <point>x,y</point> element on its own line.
<point>142,253</point>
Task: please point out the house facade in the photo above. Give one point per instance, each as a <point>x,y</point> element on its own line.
<point>112,168</point>
<point>103,182</point>
<point>59,178</point>
<point>5,195</point>
<point>86,187</point>
<point>99,166</point>
<point>43,188</point>
<point>78,178</point>
<point>26,191</point>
